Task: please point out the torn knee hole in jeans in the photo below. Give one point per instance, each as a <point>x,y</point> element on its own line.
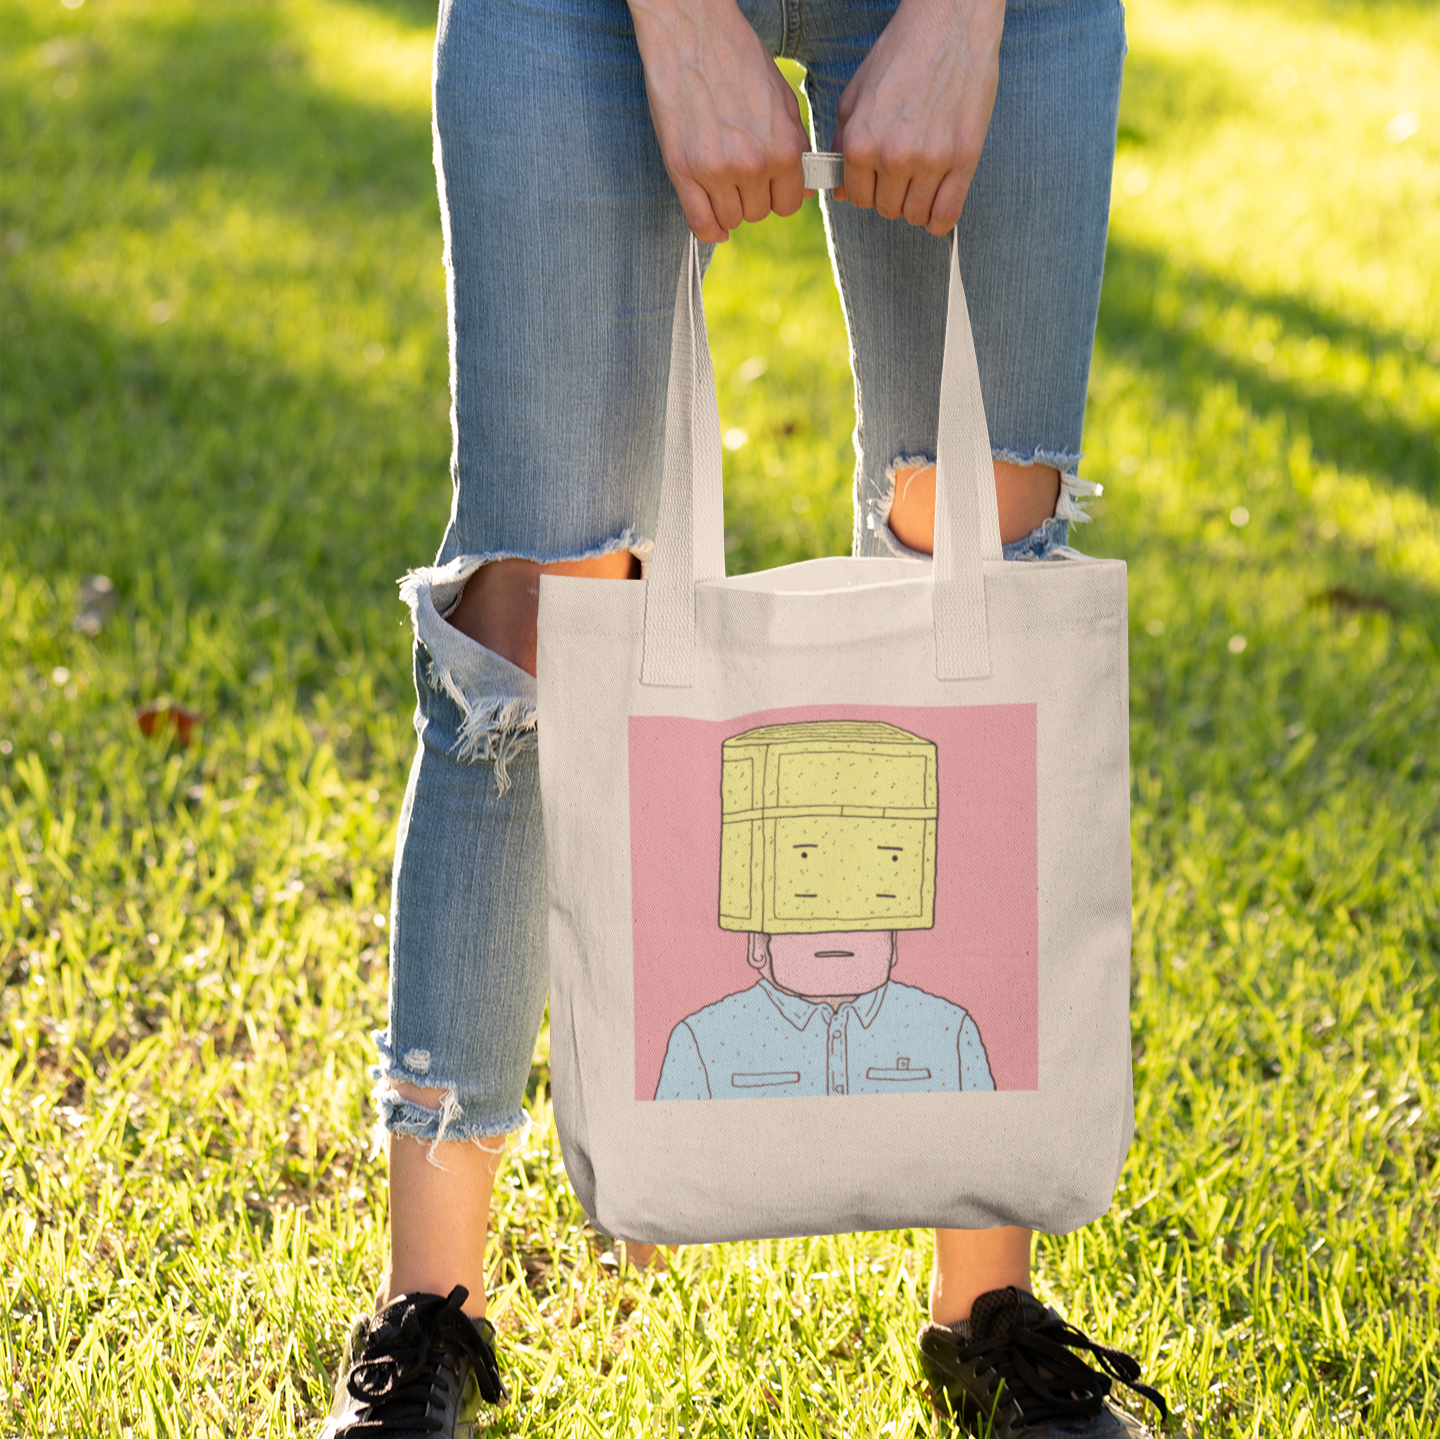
<point>496,699</point>
<point>1070,505</point>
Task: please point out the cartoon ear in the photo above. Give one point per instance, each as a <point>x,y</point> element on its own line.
<point>757,952</point>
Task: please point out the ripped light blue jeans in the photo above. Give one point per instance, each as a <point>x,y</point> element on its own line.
<point>563,241</point>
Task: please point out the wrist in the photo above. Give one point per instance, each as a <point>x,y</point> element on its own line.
<point>670,12</point>
<point>947,12</point>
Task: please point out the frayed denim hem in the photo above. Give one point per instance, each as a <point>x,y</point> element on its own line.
<point>444,1123</point>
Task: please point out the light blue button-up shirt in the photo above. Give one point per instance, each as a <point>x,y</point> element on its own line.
<point>764,1044</point>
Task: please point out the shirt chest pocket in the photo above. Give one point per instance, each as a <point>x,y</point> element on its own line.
<point>896,1075</point>
<point>775,1079</point>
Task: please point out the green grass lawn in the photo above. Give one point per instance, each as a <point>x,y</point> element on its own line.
<point>225,389</point>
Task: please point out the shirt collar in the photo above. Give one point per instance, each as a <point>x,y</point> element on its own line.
<point>800,1011</point>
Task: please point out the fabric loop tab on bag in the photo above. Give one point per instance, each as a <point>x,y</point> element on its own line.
<point>690,530</point>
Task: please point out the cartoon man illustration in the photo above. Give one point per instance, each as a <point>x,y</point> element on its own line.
<point>827,852</point>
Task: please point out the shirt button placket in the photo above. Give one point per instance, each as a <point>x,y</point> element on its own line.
<point>837,1054</point>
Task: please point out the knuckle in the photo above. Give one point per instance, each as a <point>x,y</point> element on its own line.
<point>705,166</point>
<point>861,148</point>
<point>941,222</point>
<point>895,155</point>
<point>967,156</point>
<point>937,159</point>
<point>789,149</point>
<point>749,168</point>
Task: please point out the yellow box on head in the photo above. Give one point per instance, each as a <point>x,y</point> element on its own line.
<point>827,825</point>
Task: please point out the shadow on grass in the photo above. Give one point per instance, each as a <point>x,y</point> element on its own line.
<point>130,454</point>
<point>1184,364</point>
<point>419,13</point>
<point>1161,96</point>
<point>223,90</point>
<point>169,455</point>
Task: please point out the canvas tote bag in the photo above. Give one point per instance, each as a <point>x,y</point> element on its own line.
<point>839,865</point>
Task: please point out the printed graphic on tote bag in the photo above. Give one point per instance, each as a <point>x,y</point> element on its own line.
<point>831,855</point>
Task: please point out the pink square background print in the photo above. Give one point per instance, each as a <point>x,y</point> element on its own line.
<point>983,952</point>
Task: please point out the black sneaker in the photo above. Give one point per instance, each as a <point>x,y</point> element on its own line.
<point>1015,1377</point>
<point>419,1367</point>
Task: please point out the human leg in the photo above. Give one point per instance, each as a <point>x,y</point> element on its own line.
<point>971,1262</point>
<point>1025,494</point>
<point>500,605</point>
<point>562,242</point>
<point>439,1215</point>
<point>1031,240</point>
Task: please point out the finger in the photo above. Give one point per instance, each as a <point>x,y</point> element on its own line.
<point>725,201</point>
<point>755,200</point>
<point>890,188</point>
<point>860,176</point>
<point>949,200</point>
<point>793,105</point>
<point>920,198</point>
<point>862,163</point>
<point>787,178</point>
<point>859,186</point>
<point>788,193</point>
<point>837,146</point>
<point>699,213</point>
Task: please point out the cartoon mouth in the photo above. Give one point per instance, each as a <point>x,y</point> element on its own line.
<point>834,954</point>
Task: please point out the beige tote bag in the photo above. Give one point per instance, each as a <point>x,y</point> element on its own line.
<point>839,865</point>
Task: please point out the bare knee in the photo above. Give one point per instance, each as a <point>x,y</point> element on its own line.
<point>1026,495</point>
<point>500,603</point>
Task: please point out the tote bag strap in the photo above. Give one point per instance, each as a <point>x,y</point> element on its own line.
<point>690,531</point>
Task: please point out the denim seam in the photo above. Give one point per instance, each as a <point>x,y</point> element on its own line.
<point>790,34</point>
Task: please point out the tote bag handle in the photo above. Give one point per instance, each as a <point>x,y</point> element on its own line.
<point>690,530</point>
